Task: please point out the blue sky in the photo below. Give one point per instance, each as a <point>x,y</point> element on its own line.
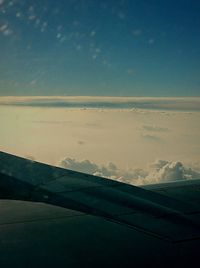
<point>91,47</point>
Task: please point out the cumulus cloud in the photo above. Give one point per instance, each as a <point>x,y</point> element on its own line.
<point>81,166</point>
<point>158,172</point>
<point>164,171</point>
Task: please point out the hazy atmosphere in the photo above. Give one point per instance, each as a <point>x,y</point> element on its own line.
<point>140,140</point>
<point>110,88</point>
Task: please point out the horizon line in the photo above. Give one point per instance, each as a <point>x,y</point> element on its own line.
<point>94,96</point>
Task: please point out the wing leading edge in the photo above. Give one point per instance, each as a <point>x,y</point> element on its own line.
<point>147,211</point>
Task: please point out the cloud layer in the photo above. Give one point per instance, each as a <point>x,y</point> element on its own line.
<point>158,172</point>
<point>132,103</point>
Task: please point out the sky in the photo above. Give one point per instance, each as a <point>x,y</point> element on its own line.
<point>100,48</point>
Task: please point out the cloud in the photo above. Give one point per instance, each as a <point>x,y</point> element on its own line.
<point>131,72</point>
<point>30,157</point>
<point>5,30</point>
<point>33,82</point>
<point>82,166</point>
<point>157,172</point>
<point>131,103</point>
<point>81,142</point>
<point>92,124</point>
<point>164,171</point>
<point>137,32</point>
<point>93,33</point>
<point>155,128</point>
<point>59,122</point>
<point>151,41</point>
<point>150,137</point>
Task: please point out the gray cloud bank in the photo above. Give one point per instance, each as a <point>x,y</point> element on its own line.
<point>132,103</point>
<point>158,172</point>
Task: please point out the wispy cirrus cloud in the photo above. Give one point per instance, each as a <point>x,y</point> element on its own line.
<point>137,32</point>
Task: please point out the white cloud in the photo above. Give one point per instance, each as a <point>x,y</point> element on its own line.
<point>81,166</point>
<point>18,15</point>
<point>93,33</point>
<point>164,171</point>
<point>5,30</point>
<point>158,172</point>
<point>3,27</point>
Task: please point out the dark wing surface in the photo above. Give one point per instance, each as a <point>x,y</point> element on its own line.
<point>79,220</point>
<point>185,191</point>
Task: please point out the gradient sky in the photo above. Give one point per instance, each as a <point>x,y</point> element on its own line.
<point>92,47</point>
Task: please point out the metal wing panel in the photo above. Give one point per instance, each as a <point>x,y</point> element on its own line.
<point>36,173</point>
<point>141,209</point>
<point>49,236</point>
<point>184,191</point>
<point>13,212</point>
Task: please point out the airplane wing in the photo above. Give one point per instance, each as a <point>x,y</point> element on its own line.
<point>52,216</point>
